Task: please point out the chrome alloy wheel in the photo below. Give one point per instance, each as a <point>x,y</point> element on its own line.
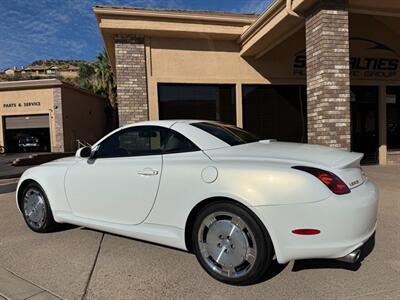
<point>227,244</point>
<point>34,208</point>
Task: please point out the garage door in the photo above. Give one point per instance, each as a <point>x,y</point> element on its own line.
<point>18,129</point>
<point>33,121</point>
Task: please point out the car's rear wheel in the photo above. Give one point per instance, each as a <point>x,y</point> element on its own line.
<point>36,209</point>
<point>231,244</point>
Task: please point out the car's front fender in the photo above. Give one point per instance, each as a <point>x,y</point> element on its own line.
<point>51,179</point>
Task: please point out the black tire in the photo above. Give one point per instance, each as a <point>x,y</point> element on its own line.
<point>47,223</point>
<point>252,229</point>
<point>2,150</point>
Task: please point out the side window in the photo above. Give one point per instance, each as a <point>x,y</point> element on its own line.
<point>177,143</point>
<point>133,141</point>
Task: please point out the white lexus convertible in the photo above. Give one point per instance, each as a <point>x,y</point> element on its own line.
<point>216,190</point>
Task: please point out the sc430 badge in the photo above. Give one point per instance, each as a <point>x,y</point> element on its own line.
<point>353,183</point>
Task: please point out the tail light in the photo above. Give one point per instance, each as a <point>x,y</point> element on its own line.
<point>334,183</point>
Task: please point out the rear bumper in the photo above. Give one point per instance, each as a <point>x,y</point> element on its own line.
<point>29,146</point>
<point>346,222</point>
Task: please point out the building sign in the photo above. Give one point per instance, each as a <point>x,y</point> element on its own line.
<point>25,104</point>
<point>300,63</point>
<point>369,60</point>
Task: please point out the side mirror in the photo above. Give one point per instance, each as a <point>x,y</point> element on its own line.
<point>84,152</point>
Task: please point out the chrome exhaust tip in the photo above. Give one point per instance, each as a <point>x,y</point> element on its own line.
<point>352,257</point>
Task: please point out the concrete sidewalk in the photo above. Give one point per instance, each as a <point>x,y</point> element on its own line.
<point>13,286</point>
<point>79,263</point>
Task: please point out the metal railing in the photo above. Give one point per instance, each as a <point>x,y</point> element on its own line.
<point>81,144</point>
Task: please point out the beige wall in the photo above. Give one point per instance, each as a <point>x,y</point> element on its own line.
<point>68,74</point>
<point>83,117</point>
<point>384,30</point>
<point>15,103</point>
<point>83,114</point>
<point>208,61</point>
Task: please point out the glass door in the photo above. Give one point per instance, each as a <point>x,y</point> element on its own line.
<point>364,122</point>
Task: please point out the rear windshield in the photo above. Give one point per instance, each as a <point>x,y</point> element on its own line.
<point>27,139</point>
<point>230,134</point>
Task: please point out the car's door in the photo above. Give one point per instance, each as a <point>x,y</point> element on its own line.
<point>119,185</point>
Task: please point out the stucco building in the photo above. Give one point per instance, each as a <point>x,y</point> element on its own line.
<point>317,71</point>
<point>55,113</point>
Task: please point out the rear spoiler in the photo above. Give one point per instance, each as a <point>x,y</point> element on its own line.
<point>350,160</point>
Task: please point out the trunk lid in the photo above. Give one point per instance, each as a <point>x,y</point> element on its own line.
<point>345,164</point>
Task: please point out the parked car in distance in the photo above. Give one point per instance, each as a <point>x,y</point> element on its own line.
<point>235,201</point>
<point>28,143</point>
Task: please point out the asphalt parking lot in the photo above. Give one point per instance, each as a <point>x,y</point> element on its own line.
<point>79,263</point>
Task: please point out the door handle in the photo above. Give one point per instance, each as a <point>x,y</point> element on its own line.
<point>148,172</point>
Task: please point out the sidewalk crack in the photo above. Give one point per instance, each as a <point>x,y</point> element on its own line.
<point>43,289</point>
<point>41,292</point>
<point>92,269</point>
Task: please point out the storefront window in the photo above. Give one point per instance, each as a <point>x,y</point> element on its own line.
<point>197,101</point>
<point>393,117</point>
<point>276,111</point>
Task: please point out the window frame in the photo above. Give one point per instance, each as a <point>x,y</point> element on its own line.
<point>169,136</point>
<point>163,141</point>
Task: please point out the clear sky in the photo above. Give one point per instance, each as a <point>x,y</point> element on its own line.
<point>66,29</point>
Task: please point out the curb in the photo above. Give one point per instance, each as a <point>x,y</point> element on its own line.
<point>12,176</point>
<point>38,159</point>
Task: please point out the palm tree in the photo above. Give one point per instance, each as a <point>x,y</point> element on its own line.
<point>103,81</point>
<point>99,78</point>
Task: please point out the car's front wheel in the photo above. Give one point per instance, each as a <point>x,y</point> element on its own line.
<point>231,244</point>
<point>36,209</point>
